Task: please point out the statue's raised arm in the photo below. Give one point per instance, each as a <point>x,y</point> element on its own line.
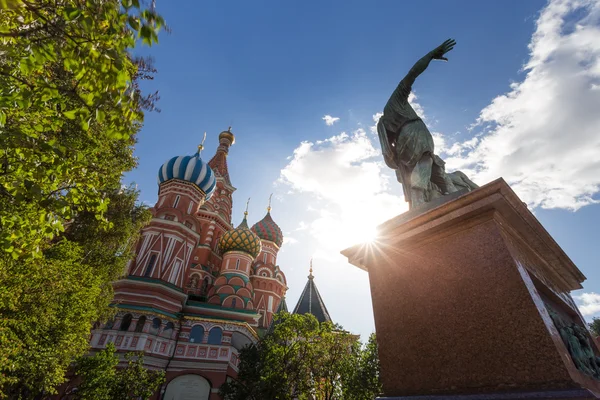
<point>407,145</point>
<point>403,90</point>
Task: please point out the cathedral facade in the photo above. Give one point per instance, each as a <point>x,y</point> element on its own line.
<point>198,289</point>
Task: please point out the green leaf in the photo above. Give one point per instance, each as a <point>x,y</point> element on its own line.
<point>134,22</point>
<point>71,13</point>
<point>100,115</point>
<point>70,114</point>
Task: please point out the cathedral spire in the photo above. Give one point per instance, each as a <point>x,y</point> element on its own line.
<point>219,161</point>
<point>310,301</point>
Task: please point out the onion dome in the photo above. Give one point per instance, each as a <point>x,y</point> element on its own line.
<point>240,239</point>
<point>227,135</point>
<point>267,229</point>
<point>190,169</point>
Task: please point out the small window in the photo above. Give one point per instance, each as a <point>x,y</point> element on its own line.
<point>126,322</point>
<point>190,206</point>
<point>204,288</point>
<point>265,258</point>
<point>188,224</point>
<point>140,324</point>
<point>264,274</point>
<point>150,265</point>
<point>175,272</point>
<point>215,335</point>
<point>237,264</point>
<point>176,201</point>
<point>156,322</point>
<point>169,217</point>
<point>233,302</point>
<point>197,334</point>
<point>168,330</point>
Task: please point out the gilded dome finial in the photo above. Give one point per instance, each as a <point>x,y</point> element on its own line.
<point>201,145</point>
<point>269,207</point>
<point>246,212</point>
<point>310,275</point>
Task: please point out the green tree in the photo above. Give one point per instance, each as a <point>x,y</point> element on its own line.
<point>49,306</point>
<point>98,377</point>
<point>362,380</point>
<point>70,107</point>
<point>69,111</point>
<point>302,359</point>
<point>595,326</point>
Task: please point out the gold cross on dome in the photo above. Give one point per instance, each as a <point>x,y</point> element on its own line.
<point>201,145</point>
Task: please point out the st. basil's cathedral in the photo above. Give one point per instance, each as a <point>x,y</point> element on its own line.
<point>199,289</point>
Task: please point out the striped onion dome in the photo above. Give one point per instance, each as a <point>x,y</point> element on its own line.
<point>190,169</point>
<point>267,229</point>
<point>240,239</point>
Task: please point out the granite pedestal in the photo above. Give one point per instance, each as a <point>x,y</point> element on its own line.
<point>470,298</point>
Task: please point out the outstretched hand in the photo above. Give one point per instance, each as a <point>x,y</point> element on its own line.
<point>438,52</point>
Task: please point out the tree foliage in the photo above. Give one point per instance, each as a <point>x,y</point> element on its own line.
<point>70,107</point>
<point>302,359</point>
<point>69,111</point>
<point>97,377</point>
<point>49,306</point>
<point>595,326</point>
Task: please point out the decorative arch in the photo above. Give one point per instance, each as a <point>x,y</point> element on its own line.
<point>155,327</point>
<point>225,290</point>
<point>189,386</point>
<point>264,272</point>
<point>234,302</point>
<point>126,322</point>
<point>140,324</point>
<point>243,292</point>
<point>215,336</point>
<point>237,281</point>
<point>194,224</point>
<point>197,333</point>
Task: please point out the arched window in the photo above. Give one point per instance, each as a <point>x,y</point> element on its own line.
<point>176,201</point>
<point>140,324</point>
<point>156,322</point>
<point>237,264</point>
<point>215,335</point>
<point>150,265</point>
<point>126,322</point>
<point>109,324</point>
<point>197,334</point>
<point>233,302</point>
<point>168,330</point>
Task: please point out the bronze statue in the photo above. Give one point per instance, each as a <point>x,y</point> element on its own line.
<point>407,144</point>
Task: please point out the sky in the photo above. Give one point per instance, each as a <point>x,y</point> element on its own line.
<point>302,83</point>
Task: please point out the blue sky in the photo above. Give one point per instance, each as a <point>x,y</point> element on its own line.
<point>518,98</point>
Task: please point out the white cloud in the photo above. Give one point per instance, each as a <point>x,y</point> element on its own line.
<point>349,186</point>
<point>588,303</point>
<point>288,240</point>
<point>329,120</point>
<point>543,136</point>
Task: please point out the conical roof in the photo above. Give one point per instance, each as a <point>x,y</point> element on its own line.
<point>310,301</point>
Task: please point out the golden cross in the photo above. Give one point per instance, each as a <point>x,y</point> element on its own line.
<point>201,145</point>
<point>247,203</point>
